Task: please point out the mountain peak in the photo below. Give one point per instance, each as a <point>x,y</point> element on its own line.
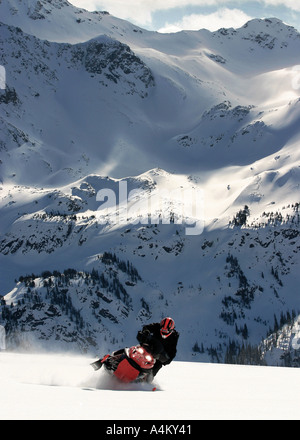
<point>267,33</point>
<point>55,20</point>
<point>271,26</point>
<point>274,24</point>
<point>60,21</point>
<point>35,8</point>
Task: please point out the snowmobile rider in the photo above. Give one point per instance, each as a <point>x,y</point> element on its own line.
<point>161,339</point>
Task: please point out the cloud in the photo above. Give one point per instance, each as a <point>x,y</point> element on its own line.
<point>294,5</point>
<point>136,11</point>
<point>141,11</point>
<point>224,17</point>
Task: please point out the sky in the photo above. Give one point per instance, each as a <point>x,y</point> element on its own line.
<point>177,15</point>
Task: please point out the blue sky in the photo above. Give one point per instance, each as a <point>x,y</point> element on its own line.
<point>176,15</point>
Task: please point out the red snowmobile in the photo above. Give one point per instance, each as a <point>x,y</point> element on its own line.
<point>129,364</point>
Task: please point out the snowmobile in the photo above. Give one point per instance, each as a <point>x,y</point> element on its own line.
<point>128,365</point>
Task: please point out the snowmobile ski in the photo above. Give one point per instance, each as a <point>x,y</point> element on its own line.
<point>98,364</point>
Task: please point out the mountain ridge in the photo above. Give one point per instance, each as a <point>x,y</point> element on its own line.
<point>151,117</point>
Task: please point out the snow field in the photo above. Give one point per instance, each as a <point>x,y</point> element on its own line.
<point>64,387</point>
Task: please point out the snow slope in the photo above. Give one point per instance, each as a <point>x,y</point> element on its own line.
<point>57,387</point>
<point>188,103</point>
<point>60,21</point>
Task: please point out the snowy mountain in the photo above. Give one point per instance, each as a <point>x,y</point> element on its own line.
<point>107,131</point>
<point>282,347</point>
<point>60,21</point>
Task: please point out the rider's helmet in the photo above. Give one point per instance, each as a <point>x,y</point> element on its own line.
<point>167,326</point>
